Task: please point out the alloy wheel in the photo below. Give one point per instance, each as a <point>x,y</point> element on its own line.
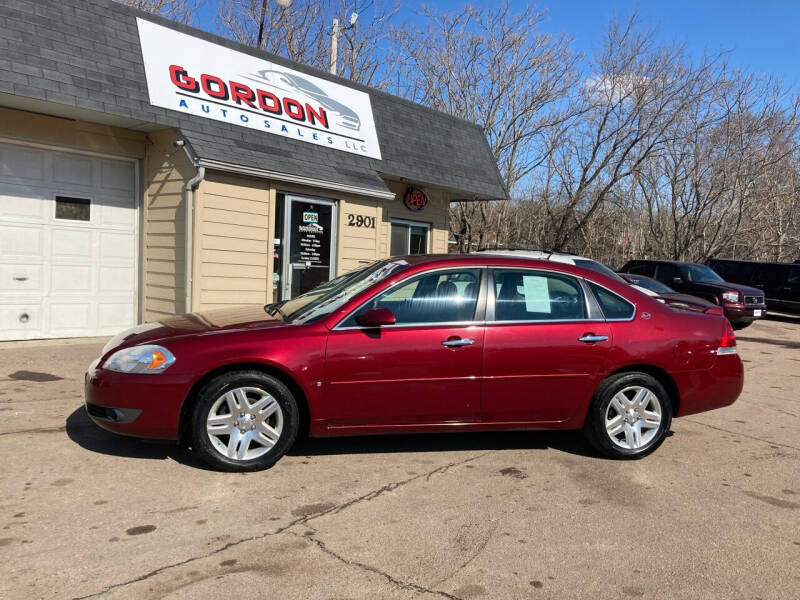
<point>633,417</point>
<point>244,423</point>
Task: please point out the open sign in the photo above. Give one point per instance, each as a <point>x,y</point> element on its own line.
<point>415,199</point>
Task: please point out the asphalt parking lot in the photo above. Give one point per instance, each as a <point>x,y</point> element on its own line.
<point>714,513</point>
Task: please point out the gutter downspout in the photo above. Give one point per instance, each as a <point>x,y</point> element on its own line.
<point>189,242</point>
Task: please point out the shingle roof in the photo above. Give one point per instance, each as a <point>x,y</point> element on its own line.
<point>86,54</point>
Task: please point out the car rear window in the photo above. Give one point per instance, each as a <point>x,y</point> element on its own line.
<point>613,306</point>
<point>526,295</point>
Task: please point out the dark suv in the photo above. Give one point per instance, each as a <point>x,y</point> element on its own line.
<point>779,282</point>
<point>742,304</point>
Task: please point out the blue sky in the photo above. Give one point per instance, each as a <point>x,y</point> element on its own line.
<point>762,35</point>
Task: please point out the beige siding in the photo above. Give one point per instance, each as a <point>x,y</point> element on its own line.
<point>233,241</point>
<point>74,135</point>
<point>435,215</point>
<point>357,245</point>
<point>167,169</point>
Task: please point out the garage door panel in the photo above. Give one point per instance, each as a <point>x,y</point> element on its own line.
<point>115,280</point>
<point>68,318</point>
<point>114,214</point>
<point>113,316</point>
<point>71,244</point>
<point>24,202</point>
<point>117,247</point>
<point>21,241</point>
<point>21,164</point>
<point>21,279</point>
<point>73,170</point>
<point>117,176</point>
<point>70,279</point>
<point>20,321</point>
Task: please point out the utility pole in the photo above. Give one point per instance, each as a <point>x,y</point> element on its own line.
<point>335,39</point>
<point>261,24</point>
<point>334,46</point>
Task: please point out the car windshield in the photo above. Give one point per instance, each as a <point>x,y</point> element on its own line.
<point>332,294</point>
<point>651,284</point>
<point>699,274</point>
<point>598,267</point>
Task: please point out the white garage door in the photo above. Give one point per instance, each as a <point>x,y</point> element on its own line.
<point>67,244</point>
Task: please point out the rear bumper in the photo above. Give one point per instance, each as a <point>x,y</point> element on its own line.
<point>145,406</point>
<point>712,388</point>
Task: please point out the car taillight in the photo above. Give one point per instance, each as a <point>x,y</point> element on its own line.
<point>728,343</point>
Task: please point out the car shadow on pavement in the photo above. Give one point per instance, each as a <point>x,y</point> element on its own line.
<point>86,434</point>
<point>89,436</point>
<point>571,442</point>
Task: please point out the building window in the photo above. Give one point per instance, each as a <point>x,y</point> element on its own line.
<point>72,209</point>
<point>409,237</point>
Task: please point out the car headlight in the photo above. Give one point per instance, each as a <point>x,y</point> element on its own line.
<point>730,296</point>
<point>147,359</point>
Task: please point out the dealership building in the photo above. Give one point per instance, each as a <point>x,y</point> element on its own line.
<point>150,169</point>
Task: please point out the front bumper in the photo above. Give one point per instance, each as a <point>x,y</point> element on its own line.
<point>740,313</point>
<point>145,406</point>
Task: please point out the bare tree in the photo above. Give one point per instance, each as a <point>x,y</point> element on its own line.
<point>302,32</point>
<point>635,94</point>
<point>718,167</point>
<point>177,10</point>
<point>494,67</point>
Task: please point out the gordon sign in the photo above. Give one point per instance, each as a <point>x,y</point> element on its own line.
<point>191,75</point>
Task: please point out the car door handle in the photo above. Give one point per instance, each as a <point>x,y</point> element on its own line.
<point>458,342</point>
<point>22,278</point>
<point>590,338</point>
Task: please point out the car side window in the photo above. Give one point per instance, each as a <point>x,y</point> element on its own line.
<point>522,295</point>
<point>642,269</point>
<point>439,297</point>
<point>794,276</point>
<point>612,305</point>
<point>667,273</point>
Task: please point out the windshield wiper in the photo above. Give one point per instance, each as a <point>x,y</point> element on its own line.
<point>275,308</point>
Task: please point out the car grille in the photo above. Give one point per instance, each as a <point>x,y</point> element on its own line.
<point>754,299</point>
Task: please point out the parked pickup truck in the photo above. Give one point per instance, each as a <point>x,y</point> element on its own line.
<point>779,282</point>
<point>742,304</point>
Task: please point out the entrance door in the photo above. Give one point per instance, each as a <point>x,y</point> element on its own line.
<point>310,233</point>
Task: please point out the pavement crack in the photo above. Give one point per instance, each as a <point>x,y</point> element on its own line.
<point>399,583</point>
<point>299,521</point>
<point>393,486</point>
<point>752,437</point>
<point>37,430</point>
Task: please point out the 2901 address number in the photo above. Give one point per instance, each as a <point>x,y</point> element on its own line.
<point>361,221</point>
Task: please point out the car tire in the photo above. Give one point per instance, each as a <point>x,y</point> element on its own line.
<point>740,325</point>
<point>244,421</point>
<point>623,405</point>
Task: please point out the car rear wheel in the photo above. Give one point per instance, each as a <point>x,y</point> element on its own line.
<point>629,416</point>
<point>244,421</point>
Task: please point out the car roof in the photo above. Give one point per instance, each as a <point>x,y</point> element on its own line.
<point>502,260</point>
<point>625,276</point>
<point>664,261</point>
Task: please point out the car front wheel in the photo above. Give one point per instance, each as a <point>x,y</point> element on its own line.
<point>629,416</point>
<point>244,421</point>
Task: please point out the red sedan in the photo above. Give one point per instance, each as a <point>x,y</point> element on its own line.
<point>423,343</point>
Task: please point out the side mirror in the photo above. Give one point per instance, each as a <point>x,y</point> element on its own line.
<point>376,317</point>
<point>677,280</point>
